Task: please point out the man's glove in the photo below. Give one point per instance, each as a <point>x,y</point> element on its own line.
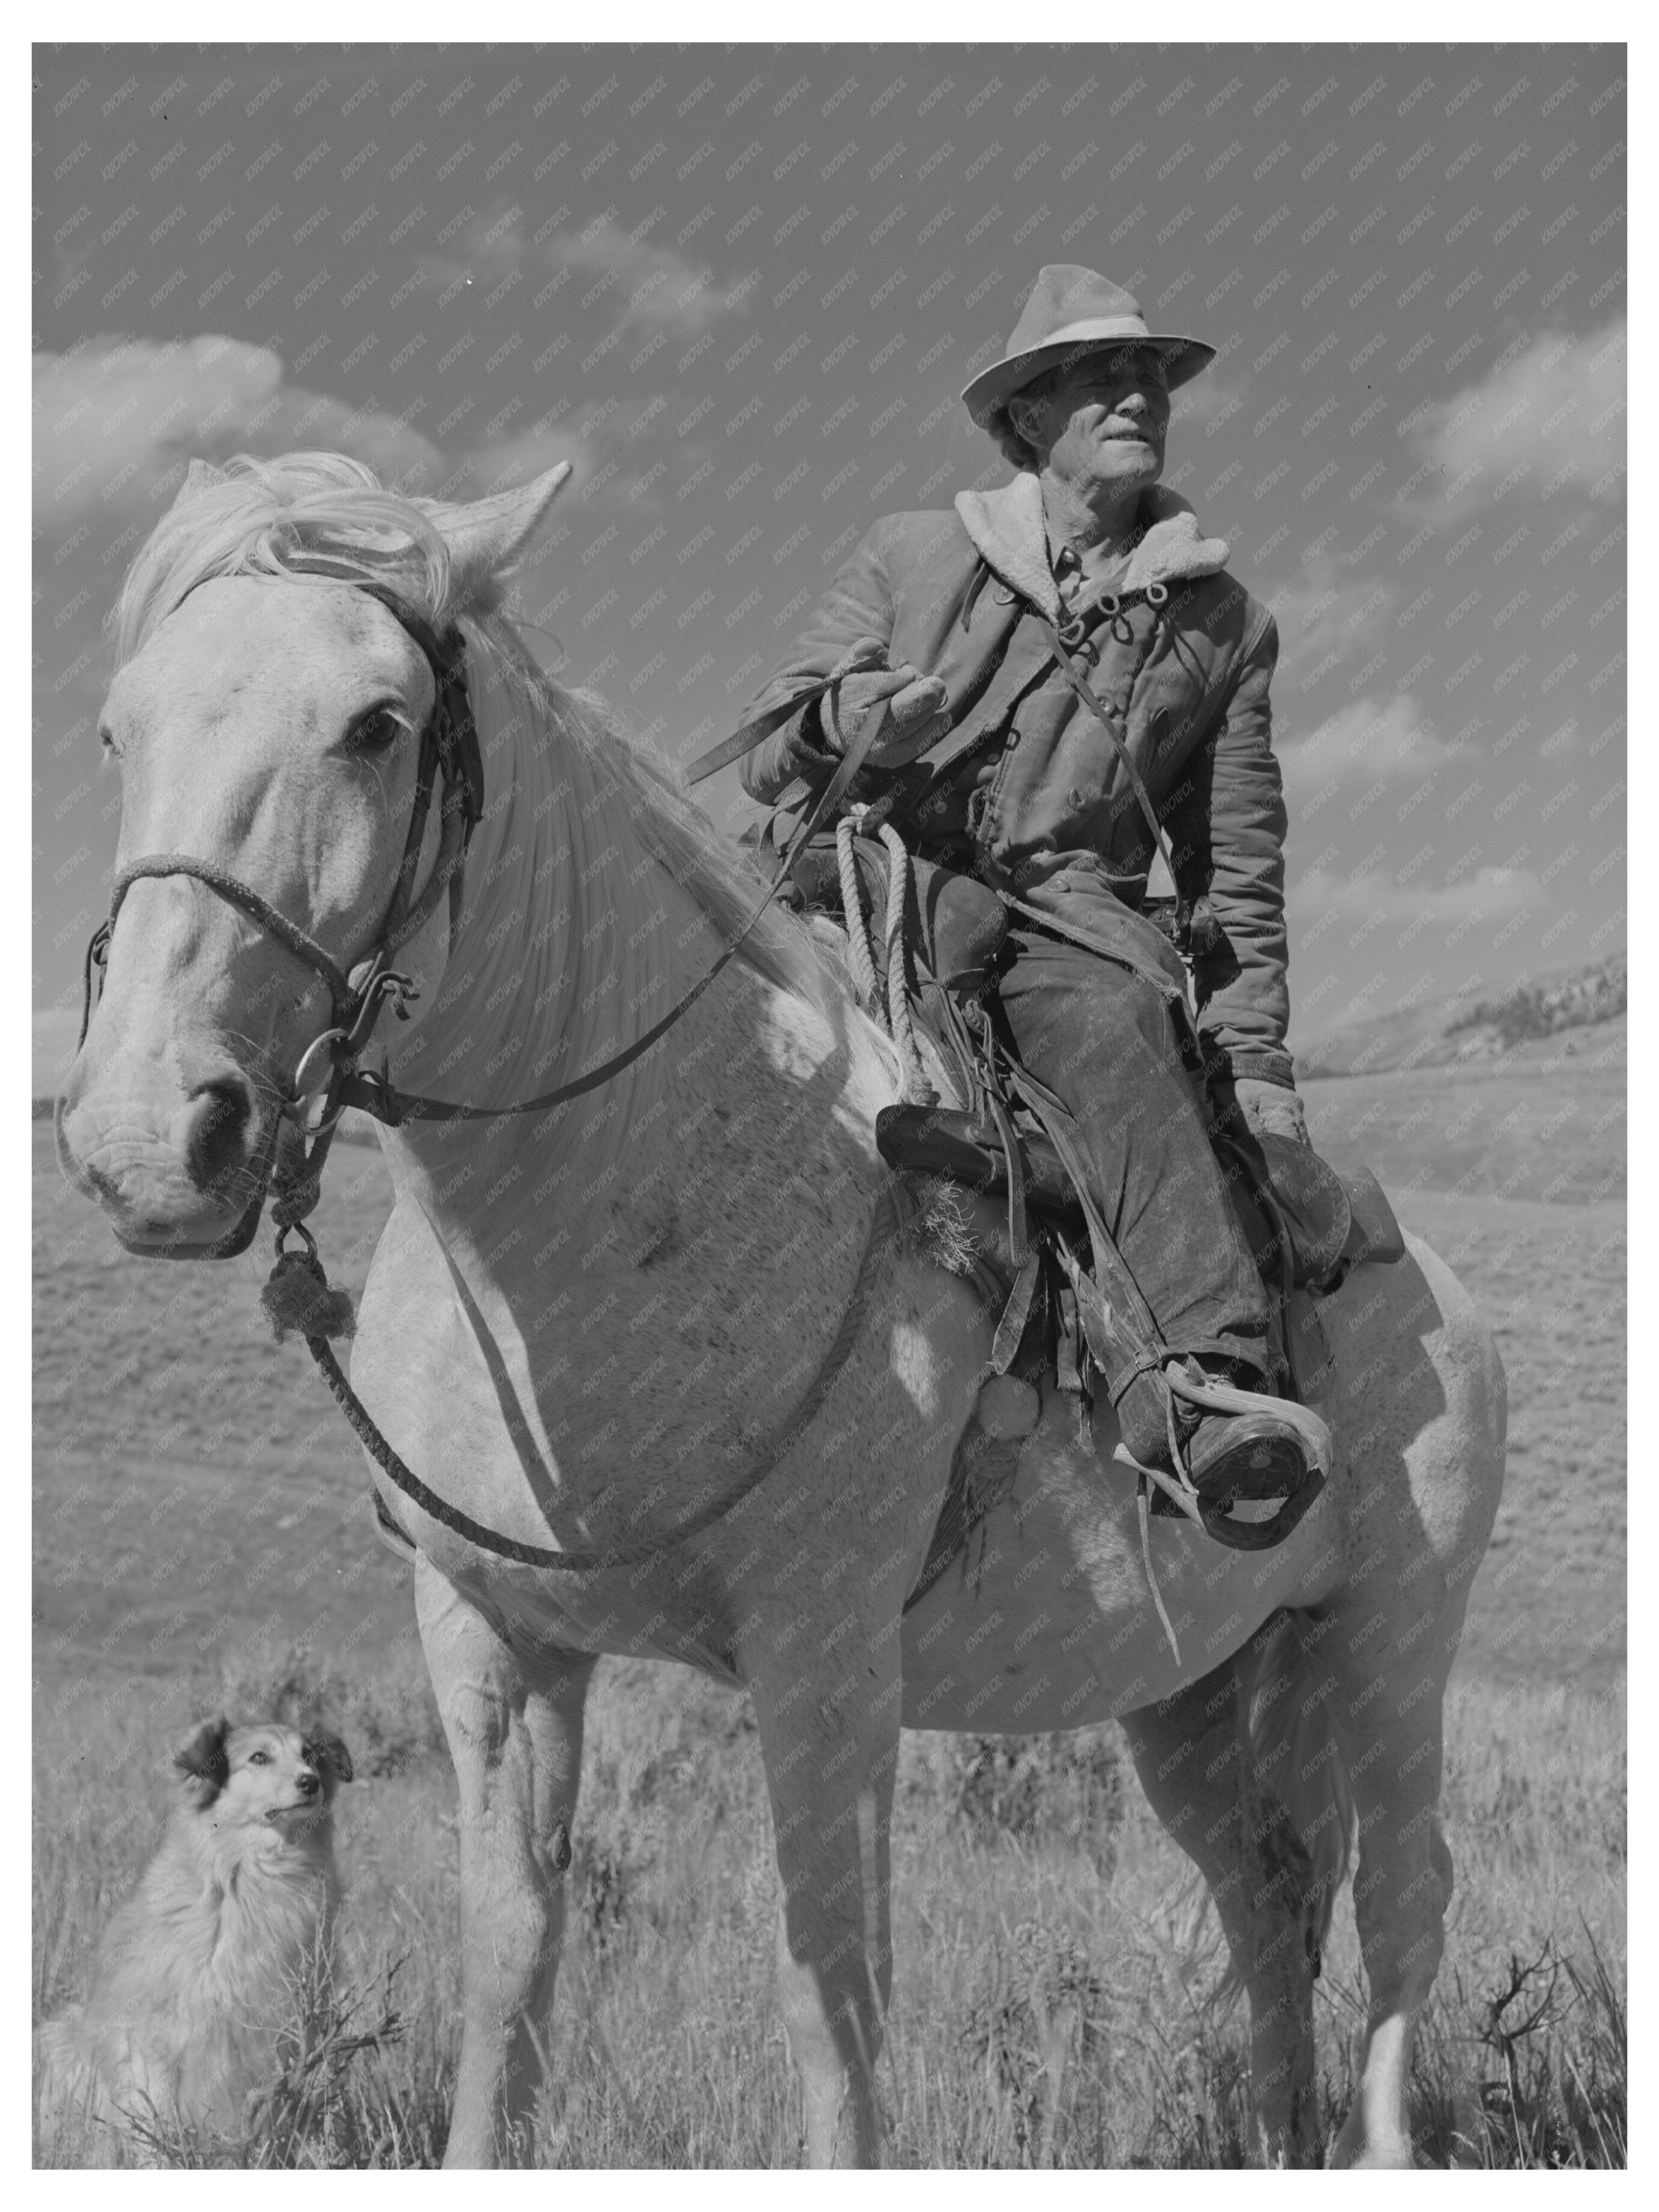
<point>1271,1109</point>
<point>914,702</point>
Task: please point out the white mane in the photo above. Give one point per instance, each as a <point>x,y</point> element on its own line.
<point>562,774</point>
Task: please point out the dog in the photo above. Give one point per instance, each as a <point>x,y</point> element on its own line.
<point>200,1982</point>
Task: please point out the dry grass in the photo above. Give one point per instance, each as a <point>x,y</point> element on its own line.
<point>1058,2001</point>
<point>200,1512</point>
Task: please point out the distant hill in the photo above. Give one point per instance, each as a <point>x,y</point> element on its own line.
<point>1565,1002</point>
<point>1460,1028</point>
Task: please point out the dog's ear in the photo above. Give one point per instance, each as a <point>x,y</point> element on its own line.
<point>328,1751</point>
<point>202,1759</point>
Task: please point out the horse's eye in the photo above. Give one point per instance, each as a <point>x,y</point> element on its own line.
<point>376,731</point>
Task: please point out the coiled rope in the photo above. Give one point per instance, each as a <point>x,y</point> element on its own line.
<point>895,1014</point>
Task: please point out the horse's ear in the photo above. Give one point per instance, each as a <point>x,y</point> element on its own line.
<point>487,535</point>
<point>200,476</point>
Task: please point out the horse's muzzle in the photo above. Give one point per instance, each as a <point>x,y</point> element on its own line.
<point>180,1173</point>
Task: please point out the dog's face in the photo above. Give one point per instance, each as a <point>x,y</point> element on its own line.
<point>263,1773</point>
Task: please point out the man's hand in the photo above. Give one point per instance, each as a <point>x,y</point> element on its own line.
<point>1272,1111</point>
<point>914,705</point>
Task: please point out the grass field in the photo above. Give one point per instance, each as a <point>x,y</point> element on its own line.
<point>201,1538</point>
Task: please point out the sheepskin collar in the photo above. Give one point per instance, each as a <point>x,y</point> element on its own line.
<point>1007,528</point>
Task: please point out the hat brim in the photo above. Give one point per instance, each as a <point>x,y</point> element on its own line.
<point>1183,358</point>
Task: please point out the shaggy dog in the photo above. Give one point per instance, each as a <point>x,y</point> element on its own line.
<point>198,1984</point>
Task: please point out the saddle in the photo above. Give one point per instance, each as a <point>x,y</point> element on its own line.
<point>1067,1301</point>
<point>1307,1227</point>
<point>1306,1224</point>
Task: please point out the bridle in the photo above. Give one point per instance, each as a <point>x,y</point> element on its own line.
<point>449,748</point>
<point>331,1063</point>
<point>297,1297</point>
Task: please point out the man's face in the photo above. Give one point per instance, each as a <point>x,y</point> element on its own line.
<point>1106,422</point>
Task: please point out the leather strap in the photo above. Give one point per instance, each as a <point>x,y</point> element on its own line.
<point>1079,683</point>
<point>449,744</point>
<point>454,726</point>
<point>865,656</point>
<point>885,1222</point>
<point>371,1095</point>
<point>236,893</point>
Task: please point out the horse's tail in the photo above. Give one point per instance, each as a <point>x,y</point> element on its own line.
<point>1298,1760</point>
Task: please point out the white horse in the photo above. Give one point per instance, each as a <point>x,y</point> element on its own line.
<point>587,1327</point>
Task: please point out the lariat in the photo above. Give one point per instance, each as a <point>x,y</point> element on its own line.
<point>915,1090</point>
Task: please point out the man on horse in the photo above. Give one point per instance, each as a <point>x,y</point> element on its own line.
<point>966,634</point>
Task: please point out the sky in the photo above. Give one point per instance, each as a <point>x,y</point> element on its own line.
<point>740,288</point>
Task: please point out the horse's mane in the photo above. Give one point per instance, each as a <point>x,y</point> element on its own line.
<point>324,515</point>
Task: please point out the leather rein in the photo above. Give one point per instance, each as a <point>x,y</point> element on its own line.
<point>449,744</point>
<point>450,748</point>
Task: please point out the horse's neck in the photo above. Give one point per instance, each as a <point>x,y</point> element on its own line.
<point>576,940</point>
<point>538,972</point>
<point>649,1274</point>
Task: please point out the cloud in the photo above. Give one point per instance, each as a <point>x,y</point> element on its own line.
<point>1490,895</point>
<point>1368,740</point>
<point>502,461</point>
<point>1551,418</point>
<point>1369,750</point>
<point>116,420</point>
<point>654,286</point>
<point>640,289</point>
<point>1206,402</point>
<point>493,244</point>
<point>1406,926</point>
<point>1327,615</point>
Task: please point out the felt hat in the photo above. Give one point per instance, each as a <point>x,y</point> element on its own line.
<point>1073,311</point>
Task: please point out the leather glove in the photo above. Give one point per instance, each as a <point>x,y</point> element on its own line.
<point>1271,1109</point>
<point>914,703</point>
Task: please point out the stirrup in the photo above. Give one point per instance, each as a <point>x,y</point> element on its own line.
<point>1210,1515</point>
<point>1211,1397</point>
<point>1233,1534</point>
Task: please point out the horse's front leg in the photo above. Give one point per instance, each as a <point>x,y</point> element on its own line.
<point>515,1734</point>
<point>827,1692</point>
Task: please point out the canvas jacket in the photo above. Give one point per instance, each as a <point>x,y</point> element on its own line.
<point>1042,799</point>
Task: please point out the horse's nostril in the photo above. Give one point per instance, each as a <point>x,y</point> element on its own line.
<point>104,1186</point>
<point>221,1113</point>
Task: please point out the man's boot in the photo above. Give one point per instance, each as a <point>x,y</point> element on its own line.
<point>1256,1455</point>
<point>1236,1455</point>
